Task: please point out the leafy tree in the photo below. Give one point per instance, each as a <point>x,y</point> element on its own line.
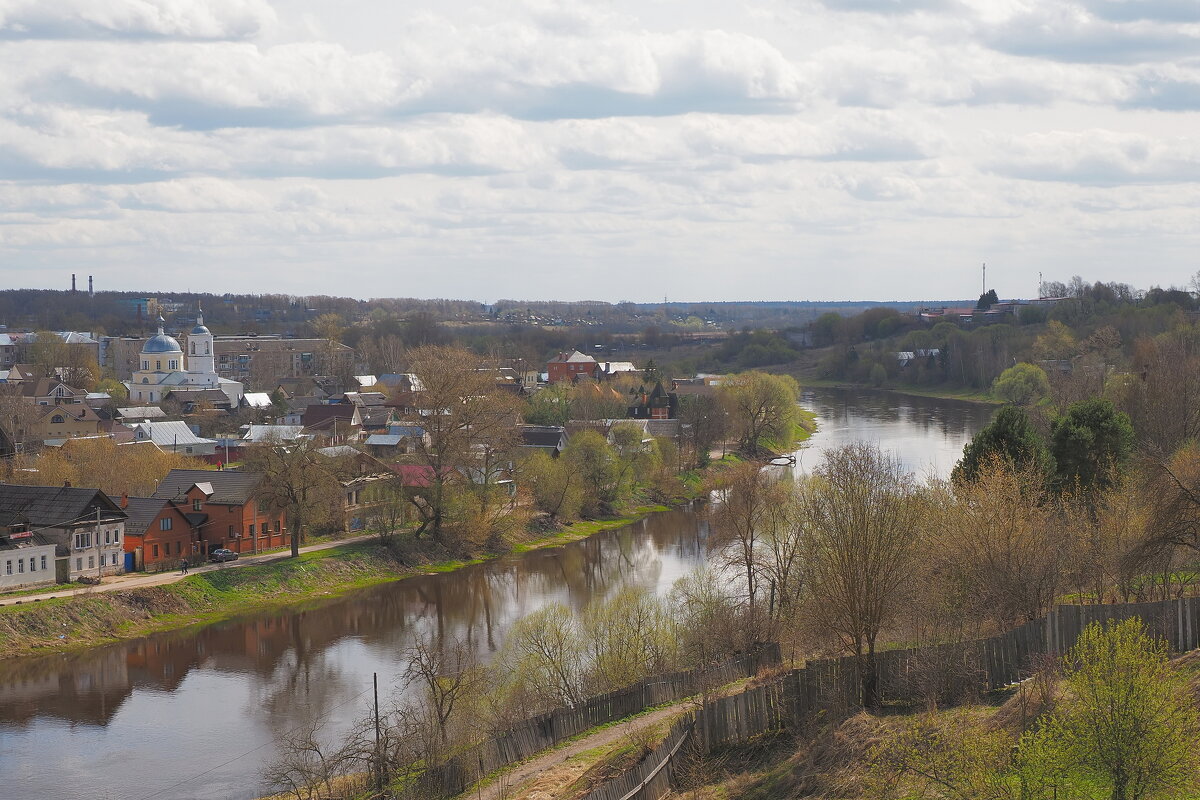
<point>550,405</point>
<point>1009,437</point>
<point>762,409</point>
<point>1056,343</point>
<point>1127,719</point>
<point>1090,444</point>
<point>1021,384</point>
<point>590,457</point>
<point>557,488</point>
<point>987,300</point>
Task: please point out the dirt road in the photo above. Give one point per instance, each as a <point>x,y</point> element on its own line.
<point>543,776</point>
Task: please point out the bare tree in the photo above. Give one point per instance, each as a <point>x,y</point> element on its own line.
<point>864,541</point>
<point>465,415</point>
<point>299,480</point>
<point>448,677</point>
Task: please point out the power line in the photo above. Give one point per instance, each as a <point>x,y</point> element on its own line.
<point>248,752</point>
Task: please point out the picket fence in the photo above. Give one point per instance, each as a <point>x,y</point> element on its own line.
<point>826,688</point>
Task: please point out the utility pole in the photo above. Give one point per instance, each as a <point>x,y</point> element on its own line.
<point>99,552</point>
<point>378,751</point>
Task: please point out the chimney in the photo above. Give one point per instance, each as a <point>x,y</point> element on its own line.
<point>124,499</point>
<point>91,293</point>
<point>72,283</point>
<point>66,484</point>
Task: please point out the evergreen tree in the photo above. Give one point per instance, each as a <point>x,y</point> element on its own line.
<point>1089,444</point>
<point>1009,437</point>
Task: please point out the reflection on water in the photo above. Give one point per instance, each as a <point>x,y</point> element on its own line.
<point>148,713</point>
<point>130,720</point>
<point>927,435</point>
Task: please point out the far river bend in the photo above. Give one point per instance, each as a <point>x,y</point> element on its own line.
<point>129,720</point>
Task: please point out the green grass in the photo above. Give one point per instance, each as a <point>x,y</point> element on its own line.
<point>938,392</point>
<point>585,528</point>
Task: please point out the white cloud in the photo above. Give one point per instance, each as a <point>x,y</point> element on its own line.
<point>538,148</point>
<point>1098,157</point>
<point>182,19</point>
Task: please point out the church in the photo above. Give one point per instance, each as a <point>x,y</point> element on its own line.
<point>163,368</point>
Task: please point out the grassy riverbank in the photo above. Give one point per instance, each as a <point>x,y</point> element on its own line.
<point>935,392</point>
<point>88,620</point>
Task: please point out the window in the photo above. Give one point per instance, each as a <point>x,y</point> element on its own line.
<point>158,365</point>
<point>206,350</point>
<point>117,536</point>
<point>43,562</point>
<point>165,524</point>
<point>8,567</point>
<point>197,505</point>
<point>91,561</point>
<point>145,365</point>
<point>187,450</point>
<point>251,528</point>
<point>33,565</point>
<point>57,419</point>
<point>173,364</point>
<point>114,559</point>
<point>108,537</point>
<point>193,346</point>
<point>79,563</point>
<point>155,553</point>
<point>231,534</point>
<point>20,565</point>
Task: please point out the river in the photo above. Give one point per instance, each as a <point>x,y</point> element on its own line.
<point>191,714</point>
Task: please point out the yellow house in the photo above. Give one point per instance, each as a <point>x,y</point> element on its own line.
<point>66,421</point>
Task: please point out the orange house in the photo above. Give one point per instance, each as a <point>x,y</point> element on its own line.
<point>226,509</point>
<point>160,531</point>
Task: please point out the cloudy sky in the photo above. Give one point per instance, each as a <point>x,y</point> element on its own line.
<point>486,149</point>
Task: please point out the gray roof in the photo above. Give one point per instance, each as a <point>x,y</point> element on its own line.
<point>141,511</point>
<point>229,486</point>
<point>168,434</point>
<point>54,506</point>
<point>142,412</point>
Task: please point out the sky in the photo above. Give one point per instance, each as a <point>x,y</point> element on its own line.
<point>610,149</point>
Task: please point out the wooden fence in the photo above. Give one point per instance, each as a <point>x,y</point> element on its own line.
<point>546,730</point>
<point>830,687</point>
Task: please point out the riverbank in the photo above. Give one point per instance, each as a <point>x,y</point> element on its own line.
<point>936,393</point>
<point>87,620</point>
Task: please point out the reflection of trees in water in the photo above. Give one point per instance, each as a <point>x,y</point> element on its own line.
<point>296,665</point>
<point>918,428</point>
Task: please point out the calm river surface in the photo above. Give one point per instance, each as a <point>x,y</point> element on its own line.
<point>132,720</point>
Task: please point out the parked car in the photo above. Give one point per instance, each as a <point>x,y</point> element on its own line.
<point>222,554</point>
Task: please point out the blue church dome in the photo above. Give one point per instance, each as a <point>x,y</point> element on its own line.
<point>161,343</point>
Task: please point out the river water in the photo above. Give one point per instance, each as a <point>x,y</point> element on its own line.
<point>192,714</point>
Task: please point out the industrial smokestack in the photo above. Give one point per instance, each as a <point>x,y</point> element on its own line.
<point>91,293</point>
<point>72,283</point>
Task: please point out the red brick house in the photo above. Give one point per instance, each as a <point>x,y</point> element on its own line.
<point>571,367</point>
<point>226,509</point>
<point>158,533</point>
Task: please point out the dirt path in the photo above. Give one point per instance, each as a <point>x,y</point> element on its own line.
<point>520,782</point>
<point>136,580</point>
